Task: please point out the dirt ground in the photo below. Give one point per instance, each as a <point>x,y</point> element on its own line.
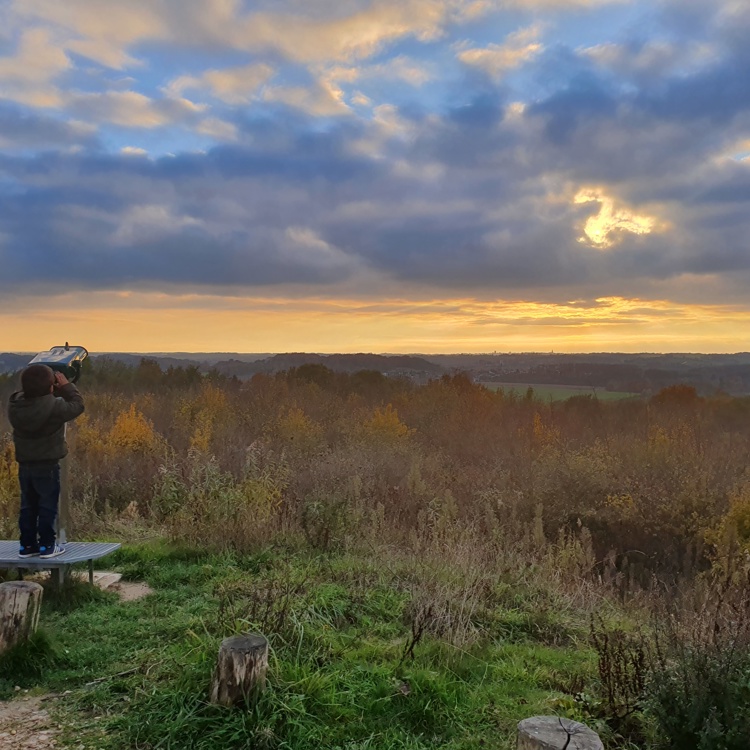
<point>130,591</point>
<point>26,725</point>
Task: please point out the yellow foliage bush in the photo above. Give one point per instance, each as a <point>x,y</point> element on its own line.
<point>203,432</point>
<point>201,414</point>
<point>260,496</point>
<point>733,531</point>
<point>385,426</point>
<point>133,433</point>
<point>659,441</point>
<point>213,399</point>
<point>622,505</point>
<point>544,435</point>
<point>9,491</point>
<point>295,427</point>
<point>88,435</point>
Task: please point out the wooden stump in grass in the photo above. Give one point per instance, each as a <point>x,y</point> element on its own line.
<point>240,674</point>
<point>554,733</point>
<point>20,602</point>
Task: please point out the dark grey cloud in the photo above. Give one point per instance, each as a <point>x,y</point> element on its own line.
<point>23,129</point>
<point>585,99</point>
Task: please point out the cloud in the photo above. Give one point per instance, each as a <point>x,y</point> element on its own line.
<point>217,129</point>
<point>303,247</point>
<point>20,129</point>
<point>317,100</point>
<point>132,109</point>
<point>104,32</point>
<point>475,227</point>
<point>497,59</point>
<point>27,77</point>
<point>401,68</point>
<point>553,5</point>
<point>145,223</point>
<point>329,80</point>
<point>404,69</point>
<point>97,29</point>
<point>231,85</point>
<point>651,59</point>
<point>387,127</point>
<point>356,34</point>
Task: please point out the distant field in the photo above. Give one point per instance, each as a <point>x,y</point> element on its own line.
<point>548,392</point>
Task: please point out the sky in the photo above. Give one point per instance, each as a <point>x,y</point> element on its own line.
<point>375,175</point>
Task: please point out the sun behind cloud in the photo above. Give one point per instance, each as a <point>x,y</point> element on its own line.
<point>602,229</point>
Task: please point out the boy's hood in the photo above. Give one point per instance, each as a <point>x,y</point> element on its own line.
<point>30,414</point>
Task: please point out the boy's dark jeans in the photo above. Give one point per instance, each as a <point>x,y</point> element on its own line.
<point>40,495</point>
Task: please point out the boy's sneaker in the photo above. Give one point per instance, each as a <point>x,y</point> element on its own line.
<point>46,552</point>
<point>28,552</point>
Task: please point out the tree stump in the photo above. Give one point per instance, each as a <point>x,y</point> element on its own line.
<point>20,602</point>
<point>240,674</point>
<point>554,733</point>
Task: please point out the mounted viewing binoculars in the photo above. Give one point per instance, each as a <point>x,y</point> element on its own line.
<point>65,359</point>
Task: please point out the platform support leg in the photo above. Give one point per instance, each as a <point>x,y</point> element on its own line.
<point>60,575</point>
<point>91,572</point>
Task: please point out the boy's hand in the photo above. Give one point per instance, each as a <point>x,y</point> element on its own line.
<point>60,380</point>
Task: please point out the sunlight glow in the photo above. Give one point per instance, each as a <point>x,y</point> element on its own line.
<point>601,230</point>
<point>142,322</point>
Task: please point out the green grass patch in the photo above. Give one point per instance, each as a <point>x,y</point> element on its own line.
<point>139,672</point>
<point>551,392</point>
<point>27,663</point>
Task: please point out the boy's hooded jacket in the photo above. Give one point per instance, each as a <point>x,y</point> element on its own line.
<point>39,424</point>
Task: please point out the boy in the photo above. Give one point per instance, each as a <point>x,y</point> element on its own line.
<point>38,415</point>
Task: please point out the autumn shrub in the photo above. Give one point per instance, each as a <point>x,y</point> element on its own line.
<point>132,433</point>
<point>385,428</point>
<point>729,540</point>
<point>199,417</point>
<point>653,494</point>
<point>701,699</point>
<point>298,433</point>
<point>334,496</point>
<point>699,689</point>
<point>624,659</point>
<point>9,490</point>
<point>116,452</point>
<point>682,679</point>
<point>448,603</point>
<point>208,507</point>
<point>325,518</point>
<point>264,603</point>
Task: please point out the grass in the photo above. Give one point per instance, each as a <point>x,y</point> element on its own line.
<point>139,672</point>
<point>551,392</point>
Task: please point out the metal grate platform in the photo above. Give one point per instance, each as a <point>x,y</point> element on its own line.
<point>75,552</point>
